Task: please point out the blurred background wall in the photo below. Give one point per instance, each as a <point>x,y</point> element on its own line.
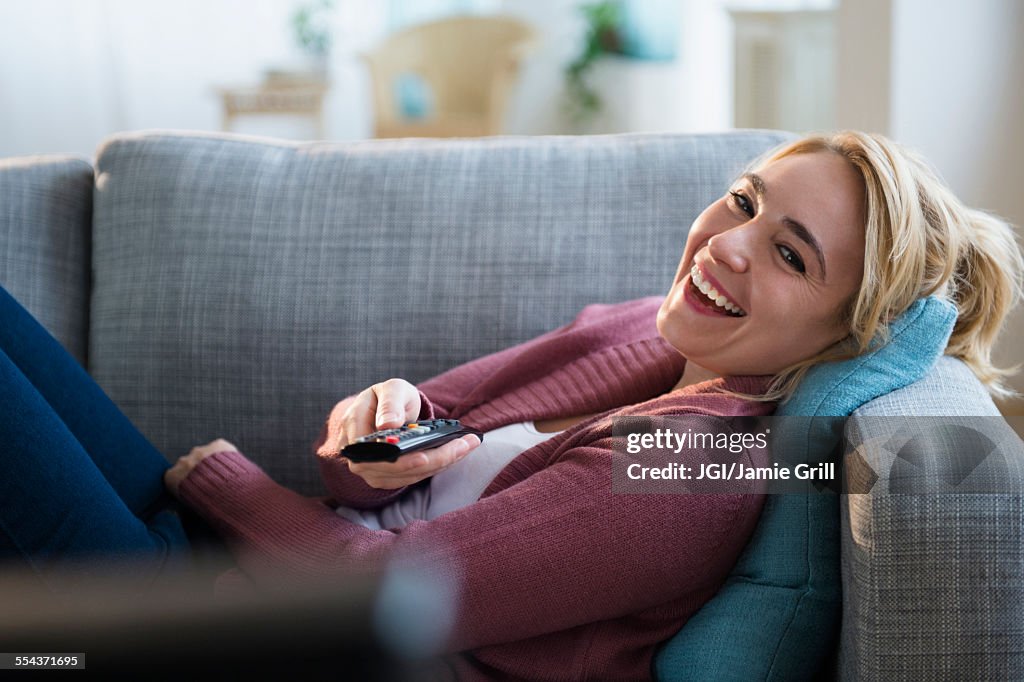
<point>943,76</point>
<point>946,78</point>
<point>72,71</point>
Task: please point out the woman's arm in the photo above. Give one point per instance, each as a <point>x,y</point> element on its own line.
<point>556,550</point>
<point>456,391</point>
<point>351,490</point>
<point>461,387</point>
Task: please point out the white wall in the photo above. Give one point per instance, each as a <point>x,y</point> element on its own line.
<point>947,78</point>
<point>74,71</point>
<point>864,65</point>
<point>958,94</point>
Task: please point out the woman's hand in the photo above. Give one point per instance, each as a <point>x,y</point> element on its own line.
<point>413,467</point>
<point>388,405</point>
<point>184,466</point>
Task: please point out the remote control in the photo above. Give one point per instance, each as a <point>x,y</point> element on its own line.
<point>390,444</point>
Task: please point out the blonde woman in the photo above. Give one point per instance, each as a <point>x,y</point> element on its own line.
<point>805,259</point>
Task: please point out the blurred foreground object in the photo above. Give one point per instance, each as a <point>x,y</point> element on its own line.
<point>447,78</point>
<point>343,630</point>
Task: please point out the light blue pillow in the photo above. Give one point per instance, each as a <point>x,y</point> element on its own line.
<point>414,99</point>
<point>777,616</point>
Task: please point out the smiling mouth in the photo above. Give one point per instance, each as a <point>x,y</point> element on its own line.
<point>711,297</point>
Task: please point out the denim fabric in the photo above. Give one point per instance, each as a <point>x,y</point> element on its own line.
<point>77,480</point>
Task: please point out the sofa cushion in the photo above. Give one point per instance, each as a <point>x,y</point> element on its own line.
<point>243,287</point>
<point>45,216</point>
<point>777,615</point>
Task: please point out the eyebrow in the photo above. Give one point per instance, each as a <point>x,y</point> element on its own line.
<point>797,228</point>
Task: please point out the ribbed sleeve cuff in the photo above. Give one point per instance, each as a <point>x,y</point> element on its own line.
<point>272,531</point>
<point>349,490</point>
<point>222,479</point>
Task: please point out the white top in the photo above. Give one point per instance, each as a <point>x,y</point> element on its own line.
<point>458,486</point>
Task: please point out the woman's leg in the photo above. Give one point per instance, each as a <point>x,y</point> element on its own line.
<point>76,478</point>
<point>131,465</point>
<point>56,506</point>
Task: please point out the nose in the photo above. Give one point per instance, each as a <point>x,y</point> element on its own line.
<point>732,248</point>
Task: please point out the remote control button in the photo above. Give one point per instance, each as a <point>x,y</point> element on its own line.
<point>391,439</point>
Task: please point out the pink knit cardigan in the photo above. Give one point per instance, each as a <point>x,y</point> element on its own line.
<point>557,576</point>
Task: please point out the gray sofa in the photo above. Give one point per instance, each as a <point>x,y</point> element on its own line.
<point>223,286</point>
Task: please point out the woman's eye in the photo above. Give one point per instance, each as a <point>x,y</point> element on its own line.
<point>792,258</point>
<point>742,203</point>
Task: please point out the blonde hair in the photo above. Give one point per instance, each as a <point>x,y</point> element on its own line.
<point>919,240</point>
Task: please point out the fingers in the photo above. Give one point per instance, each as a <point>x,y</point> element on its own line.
<point>186,463</point>
<point>329,442</point>
<point>174,476</point>
<point>359,418</point>
<point>397,402</point>
<point>414,466</point>
<point>219,445</point>
<point>386,405</point>
<point>428,462</point>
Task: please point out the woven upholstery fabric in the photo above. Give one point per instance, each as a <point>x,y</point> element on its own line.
<point>933,580</point>
<point>45,216</point>
<point>242,287</point>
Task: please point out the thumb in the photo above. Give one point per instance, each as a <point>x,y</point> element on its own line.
<point>388,416</point>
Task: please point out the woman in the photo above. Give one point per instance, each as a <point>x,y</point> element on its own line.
<point>804,260</point>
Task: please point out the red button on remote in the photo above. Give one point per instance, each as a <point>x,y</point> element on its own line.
<point>391,439</point>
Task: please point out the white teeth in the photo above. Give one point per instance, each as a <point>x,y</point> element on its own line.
<point>705,288</point>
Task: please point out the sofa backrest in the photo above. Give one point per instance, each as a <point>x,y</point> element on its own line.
<point>243,287</point>
<point>45,216</point>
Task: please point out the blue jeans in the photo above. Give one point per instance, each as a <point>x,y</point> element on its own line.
<point>78,482</point>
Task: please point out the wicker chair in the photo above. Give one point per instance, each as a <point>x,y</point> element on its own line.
<point>469,64</point>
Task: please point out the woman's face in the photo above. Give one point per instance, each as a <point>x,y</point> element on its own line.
<point>784,250</point>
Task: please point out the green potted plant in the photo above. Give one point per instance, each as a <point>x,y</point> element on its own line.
<point>639,32</point>
<point>601,37</point>
<point>312,31</point>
